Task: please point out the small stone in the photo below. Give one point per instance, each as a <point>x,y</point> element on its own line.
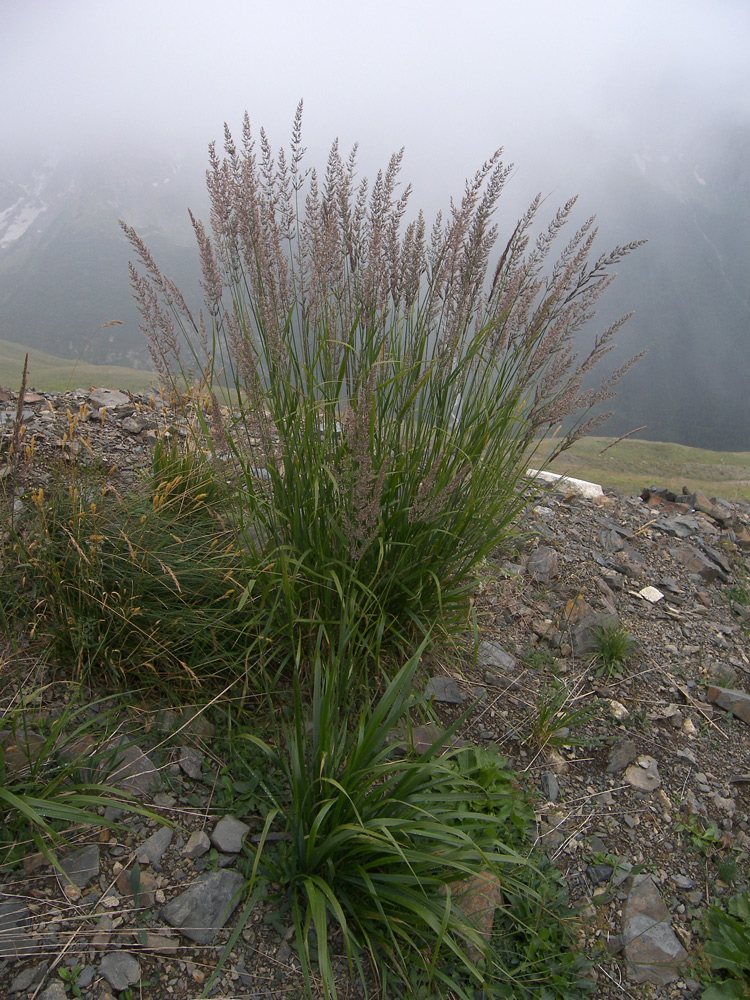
<point>28,978</point>
<point>599,873</point>
<point>444,689</point>
<point>205,907</point>
<point>110,399</point>
<point>644,775</point>
<point>683,882</point>
<point>621,755</point>
<point>191,761</point>
<point>584,635</point>
<point>618,710</point>
<point>81,866</point>
<point>551,786</point>
<point>134,771</point>
<point>492,656</point>
<point>479,896</point>
<point>543,564</point>
<point>228,835</point>
<point>152,849</point>
<point>198,844</point>
<point>120,969</point>
<point>55,991</point>
<point>650,594</point>
<point>652,949</point>
<point>736,702</point>
<point>15,942</point>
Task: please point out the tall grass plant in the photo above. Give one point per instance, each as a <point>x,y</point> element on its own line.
<point>373,387</point>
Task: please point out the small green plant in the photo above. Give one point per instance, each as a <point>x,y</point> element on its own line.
<point>704,837</point>
<point>69,975</point>
<point>538,658</point>
<point>613,647</point>
<point>728,948</point>
<point>556,714</point>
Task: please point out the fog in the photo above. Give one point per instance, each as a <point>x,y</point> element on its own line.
<point>555,83</point>
<point>642,108</point>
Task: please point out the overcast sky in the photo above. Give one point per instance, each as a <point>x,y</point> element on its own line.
<point>451,81</point>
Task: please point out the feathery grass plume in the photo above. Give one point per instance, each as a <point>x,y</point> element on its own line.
<point>385,385</point>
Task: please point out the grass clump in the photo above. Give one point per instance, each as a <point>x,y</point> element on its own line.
<point>374,385</point>
<point>140,587</point>
<point>53,772</point>
<point>612,648</point>
<point>381,851</point>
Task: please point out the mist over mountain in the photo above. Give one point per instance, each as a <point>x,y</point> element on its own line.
<point>63,267</point>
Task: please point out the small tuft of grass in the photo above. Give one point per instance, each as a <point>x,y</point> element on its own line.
<point>614,646</point>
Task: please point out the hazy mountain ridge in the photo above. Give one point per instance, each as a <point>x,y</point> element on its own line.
<point>63,269</point>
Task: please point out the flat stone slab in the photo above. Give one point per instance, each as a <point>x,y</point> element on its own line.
<point>81,866</point>
<point>203,909</point>
<point>120,969</point>
<point>644,774</point>
<point>493,656</point>
<point>15,941</point>
<point>736,702</point>
<point>652,949</point>
<point>112,399</point>
<point>444,689</point>
<point>152,849</point>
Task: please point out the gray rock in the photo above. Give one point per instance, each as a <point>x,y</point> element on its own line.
<point>696,562</point>
<point>228,835</point>
<point>492,656</point>
<point>112,399</point>
<point>191,762</point>
<point>132,425</point>
<point>81,866</point>
<point>152,849</point>
<point>543,564</point>
<point>621,755</point>
<point>644,774</point>
<point>28,978</point>
<point>736,702</point>
<point>197,845</point>
<point>550,786</point>
<point>679,526</point>
<point>683,882</point>
<point>15,941</point>
<point>134,772</point>
<point>55,991</point>
<point>652,949</point>
<point>120,969</point>
<point>444,689</point>
<point>599,873</point>
<point>205,907</point>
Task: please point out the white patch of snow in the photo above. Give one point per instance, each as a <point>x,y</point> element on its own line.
<point>640,162</point>
<point>701,180</point>
<point>18,223</point>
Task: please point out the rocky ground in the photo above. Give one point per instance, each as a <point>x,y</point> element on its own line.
<point>641,770</point>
